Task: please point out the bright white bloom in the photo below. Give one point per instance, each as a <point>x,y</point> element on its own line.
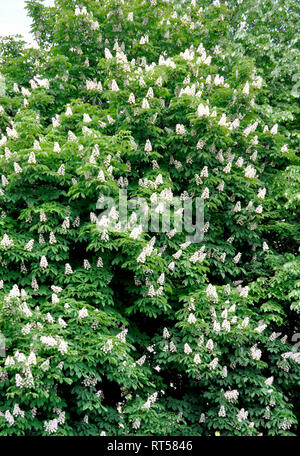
<point>220,187</point>
<point>237,258</point>
<point>261,327</point>
<point>245,322</point>
<point>231,395</point>
<point>71,136</point>
<point>192,319</point>
<point>148,146</point>
<point>99,263</point>
<point>56,147</point>
<point>31,158</point>
<point>86,265</point>
<point>210,345</point>
<point>250,172</point>
<point>161,279</point>
<point>257,82</point>
<point>180,129</point>
<point>141,360</point>
<point>9,418</point>
<point>14,292</point>
<point>226,325</point>
<point>213,364</point>
<point>187,349</point>
<point>6,242</point>
<point>9,361</point>
<point>12,133</point>
<point>45,365</point>
<point>44,262</point>
<point>222,122</point>
<point>274,129</point>
<point>108,346</point>
<point>4,181</point>
<point>145,104</point>
<point>227,168</point>
<point>269,381</point>
<point>17,411</point>
<point>131,98</point>
<point>261,193</point>
<point>171,266</point>
<point>246,88</point>
<point>62,322</point>
<point>114,86</point>
<point>244,291</point>
<point>19,381</point>
<point>166,333</point>
<point>55,122</point>
<point>122,335</point>
<point>51,426</point>
<point>222,412</point>
<point>86,118</point>
<point>108,54</point>
<point>265,246</point>
<point>54,298</point>
<point>255,353</point>
<point>49,341</point>
<point>177,255</point>
<point>68,112</point>
<point>31,358</point>
<point>216,326</point>
<point>36,145</point>
<point>202,111</point>
<point>237,207</point>
<point>173,348</point>
<point>56,289</point>
<point>240,161</point>
<point>224,372</point>
<point>83,313</point>
<point>202,418</point>
<point>211,292</point>
<point>68,269</point>
<point>17,168</point>
<point>61,170</point>
<point>197,359</point>
<point>242,415</point>
<point>205,193</point>
<point>63,347</point>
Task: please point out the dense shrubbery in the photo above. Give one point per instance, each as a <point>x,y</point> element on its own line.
<point>135,332</point>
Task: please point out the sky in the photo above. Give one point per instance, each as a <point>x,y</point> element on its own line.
<point>13,18</point>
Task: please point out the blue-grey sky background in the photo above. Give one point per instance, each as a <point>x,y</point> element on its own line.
<point>13,18</point>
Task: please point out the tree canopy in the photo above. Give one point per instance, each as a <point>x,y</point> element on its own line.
<point>130,331</point>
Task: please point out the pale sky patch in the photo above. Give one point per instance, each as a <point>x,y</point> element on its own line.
<point>14,19</point>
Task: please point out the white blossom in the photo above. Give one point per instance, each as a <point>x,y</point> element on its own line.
<point>222,412</point>
<point>68,269</point>
<point>44,262</point>
<point>83,313</point>
<point>6,242</point>
<point>187,349</point>
<point>242,415</point>
<point>51,426</point>
<point>197,359</point>
<point>274,129</point>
